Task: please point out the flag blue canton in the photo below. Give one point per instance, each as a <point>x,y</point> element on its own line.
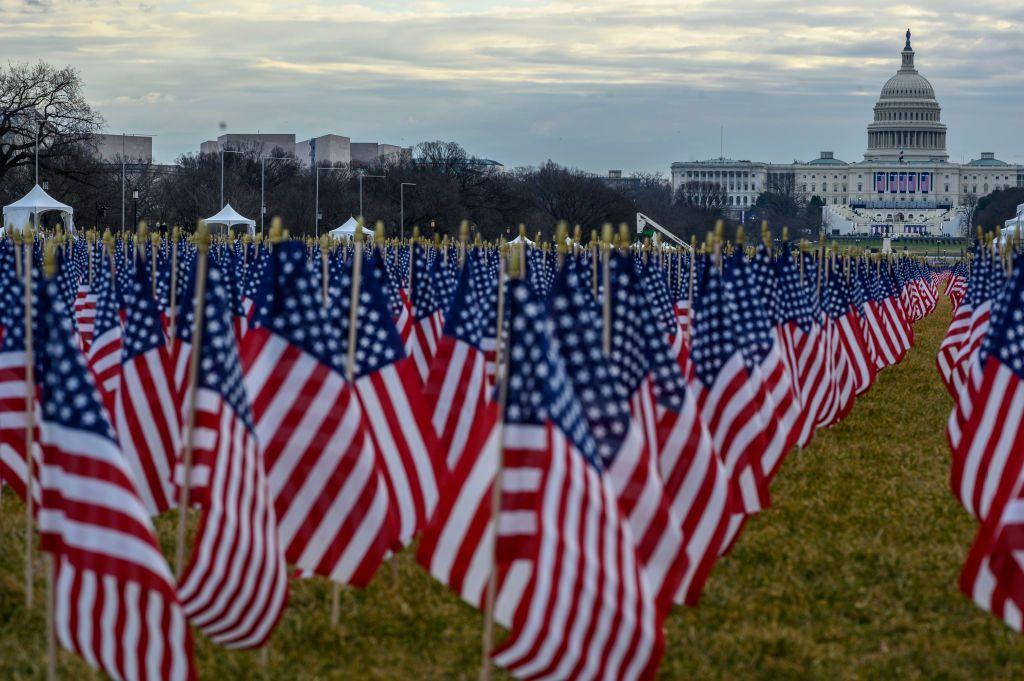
<point>12,302</point>
<point>220,369</point>
<point>656,290</point>
<point>425,301</point>
<point>793,299</point>
<point>465,320</point>
<point>714,317</point>
<point>289,304</point>
<point>106,302</point>
<point>377,341</point>
<point>751,326</point>
<point>70,397</point>
<point>143,330</point>
<point>1005,337</point>
<point>539,390</point>
<point>577,328</point>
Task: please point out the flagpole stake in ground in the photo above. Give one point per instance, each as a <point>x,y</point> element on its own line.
<point>203,246</point>
<point>30,395</point>
<point>516,267</point>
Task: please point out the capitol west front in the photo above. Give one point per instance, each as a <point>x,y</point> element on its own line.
<point>904,186</point>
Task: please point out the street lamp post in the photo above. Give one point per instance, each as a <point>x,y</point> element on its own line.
<point>135,208</point>
<point>362,174</point>
<point>401,203</point>
<point>316,202</point>
<point>222,152</point>
<point>39,127</point>
<point>263,170</point>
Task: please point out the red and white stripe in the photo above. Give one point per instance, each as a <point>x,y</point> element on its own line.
<point>697,485</point>
<point>85,313</point>
<point>148,424</point>
<point>104,359</point>
<point>114,597</point>
<point>333,512</point>
<point>589,612</point>
<point>456,392</point>
<point>404,440</point>
<point>235,586</point>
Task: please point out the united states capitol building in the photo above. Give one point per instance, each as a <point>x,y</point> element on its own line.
<point>905,185</point>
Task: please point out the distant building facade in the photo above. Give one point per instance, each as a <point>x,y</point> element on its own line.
<point>905,185</point>
<point>130,148</point>
<point>325,149</point>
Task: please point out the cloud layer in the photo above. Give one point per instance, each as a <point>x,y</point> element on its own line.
<point>599,83</point>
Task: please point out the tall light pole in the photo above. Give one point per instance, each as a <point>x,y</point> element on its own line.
<point>222,152</point>
<point>263,170</point>
<point>401,203</point>
<point>362,174</point>
<point>316,213</point>
<point>40,122</point>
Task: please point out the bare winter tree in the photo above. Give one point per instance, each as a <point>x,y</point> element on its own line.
<point>47,100</point>
<point>969,201</point>
<point>701,194</point>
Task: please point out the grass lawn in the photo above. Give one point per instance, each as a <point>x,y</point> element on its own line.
<point>851,574</point>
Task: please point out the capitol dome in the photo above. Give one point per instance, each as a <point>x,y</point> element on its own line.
<point>907,124</point>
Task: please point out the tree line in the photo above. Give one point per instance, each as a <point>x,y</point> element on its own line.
<point>443,184</point>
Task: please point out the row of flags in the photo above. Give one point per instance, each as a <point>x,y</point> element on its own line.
<point>981,362</point>
<point>572,436</point>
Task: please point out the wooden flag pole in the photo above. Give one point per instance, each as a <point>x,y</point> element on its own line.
<point>30,425</point>
<point>16,237</point>
<point>154,245</point>
<point>325,243</point>
<point>606,298</point>
<point>350,359</point>
<point>50,270</point>
<point>515,267</point>
<point>171,311</point>
<point>199,308</point>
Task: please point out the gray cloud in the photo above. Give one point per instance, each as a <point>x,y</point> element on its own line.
<point>599,83</point>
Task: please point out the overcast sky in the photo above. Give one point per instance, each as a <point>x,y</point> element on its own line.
<point>597,84</point>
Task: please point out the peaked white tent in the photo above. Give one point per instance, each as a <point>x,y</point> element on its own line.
<point>229,217</point>
<point>29,207</point>
<point>348,230</point>
<point>521,239</point>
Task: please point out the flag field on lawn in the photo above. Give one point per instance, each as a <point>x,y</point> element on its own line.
<point>575,440</point>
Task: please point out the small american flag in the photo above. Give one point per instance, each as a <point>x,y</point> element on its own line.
<point>114,596</point>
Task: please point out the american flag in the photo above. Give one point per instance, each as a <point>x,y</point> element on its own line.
<point>457,387</point>
<point>778,411</point>
<point>85,296</point>
<point>839,362</point>
<point>390,391</point>
<point>104,353</point>
<point>114,597</point>
<point>956,334</point>
<point>147,410</point>
<point>726,394</point>
<point>13,468</point>
<point>235,585</point>
<point>618,405</point>
<point>969,373</point>
<point>692,475</point>
<point>988,464</point>
<point>334,515</point>
<point>589,611</point>
<point>427,312</point>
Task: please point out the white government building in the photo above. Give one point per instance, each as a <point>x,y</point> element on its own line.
<point>904,186</point>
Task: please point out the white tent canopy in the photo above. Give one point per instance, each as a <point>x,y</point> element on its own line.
<point>348,229</point>
<point>521,239</point>
<point>33,205</point>
<point>230,217</point>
